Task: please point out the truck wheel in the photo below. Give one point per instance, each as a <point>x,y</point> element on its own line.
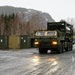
<point>42,50</point>
<point>71,47</point>
<point>67,48</point>
<point>60,49</point>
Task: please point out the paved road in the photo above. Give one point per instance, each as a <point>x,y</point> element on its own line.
<point>30,62</point>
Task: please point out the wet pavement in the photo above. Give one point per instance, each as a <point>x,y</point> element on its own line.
<point>30,62</point>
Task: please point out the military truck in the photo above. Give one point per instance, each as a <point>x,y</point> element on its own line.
<point>58,38</point>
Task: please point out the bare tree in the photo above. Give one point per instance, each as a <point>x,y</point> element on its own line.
<point>1,24</point>
<point>37,22</point>
<point>71,21</point>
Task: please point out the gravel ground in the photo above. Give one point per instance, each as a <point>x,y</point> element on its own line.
<point>30,62</point>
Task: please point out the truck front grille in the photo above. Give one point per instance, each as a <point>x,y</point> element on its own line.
<point>44,44</point>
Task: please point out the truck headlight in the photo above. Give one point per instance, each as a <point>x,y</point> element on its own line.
<point>54,42</point>
<point>36,43</point>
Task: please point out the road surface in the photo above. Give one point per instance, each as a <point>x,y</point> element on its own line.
<point>30,62</point>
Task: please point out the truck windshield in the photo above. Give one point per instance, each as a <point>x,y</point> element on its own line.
<point>46,33</point>
<point>40,33</point>
<point>51,33</point>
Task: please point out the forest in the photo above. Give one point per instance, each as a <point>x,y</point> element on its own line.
<point>13,24</point>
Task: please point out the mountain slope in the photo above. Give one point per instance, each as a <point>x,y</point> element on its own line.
<point>10,10</point>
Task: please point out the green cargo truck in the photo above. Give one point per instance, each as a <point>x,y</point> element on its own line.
<point>58,37</point>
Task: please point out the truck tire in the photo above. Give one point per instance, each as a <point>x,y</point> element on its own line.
<point>42,50</point>
<point>60,49</point>
<point>63,46</point>
<point>71,46</point>
<point>67,48</point>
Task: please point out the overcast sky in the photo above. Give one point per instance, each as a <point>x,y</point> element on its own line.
<point>58,9</point>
